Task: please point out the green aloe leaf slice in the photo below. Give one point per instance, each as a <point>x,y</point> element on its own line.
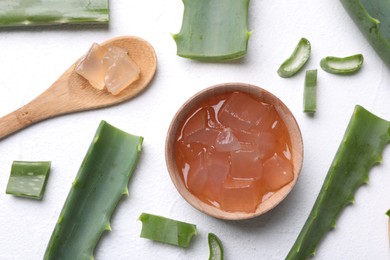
<point>373,19</point>
<point>215,246</point>
<point>49,12</point>
<point>388,224</point>
<point>166,230</point>
<point>297,60</point>
<point>361,148</point>
<point>100,183</point>
<point>28,179</point>
<point>310,92</point>
<point>343,66</point>
<point>213,30</point>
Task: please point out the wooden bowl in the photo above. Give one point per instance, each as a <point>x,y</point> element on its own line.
<point>265,96</point>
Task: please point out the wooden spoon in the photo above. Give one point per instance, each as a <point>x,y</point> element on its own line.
<point>193,103</point>
<point>72,93</point>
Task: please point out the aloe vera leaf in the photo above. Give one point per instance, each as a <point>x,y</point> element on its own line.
<point>166,230</point>
<point>215,246</point>
<point>49,12</point>
<point>360,149</point>
<point>213,30</point>
<point>343,66</point>
<point>297,60</point>
<point>28,179</point>
<point>310,92</point>
<point>373,20</point>
<point>100,183</point>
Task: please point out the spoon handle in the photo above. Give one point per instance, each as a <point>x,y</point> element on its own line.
<point>48,104</point>
<point>27,115</point>
<point>13,122</point>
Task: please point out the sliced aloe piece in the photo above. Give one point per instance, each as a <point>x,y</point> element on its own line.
<point>360,149</point>
<point>49,12</point>
<point>28,179</point>
<point>213,30</point>
<point>100,183</point>
<point>166,230</point>
<point>215,246</point>
<point>297,60</point>
<point>310,92</point>
<point>343,66</point>
<point>388,224</point>
<point>373,19</point>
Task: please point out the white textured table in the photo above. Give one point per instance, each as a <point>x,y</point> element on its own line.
<point>31,59</point>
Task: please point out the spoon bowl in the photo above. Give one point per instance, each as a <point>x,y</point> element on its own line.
<point>72,93</point>
<point>192,104</point>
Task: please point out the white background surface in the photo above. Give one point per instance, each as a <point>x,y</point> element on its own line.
<point>31,59</point>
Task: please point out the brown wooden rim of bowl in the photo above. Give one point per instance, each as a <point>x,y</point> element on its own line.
<point>267,97</point>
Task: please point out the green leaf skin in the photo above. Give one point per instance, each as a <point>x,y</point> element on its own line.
<point>49,12</point>
<point>342,66</point>
<point>214,30</point>
<point>100,183</point>
<point>360,149</point>
<point>215,246</point>
<point>28,179</point>
<point>373,19</point>
<point>310,92</point>
<point>166,230</point>
<point>297,60</point>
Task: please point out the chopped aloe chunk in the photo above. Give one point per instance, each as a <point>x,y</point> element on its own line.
<point>297,60</point>
<point>99,185</point>
<point>310,92</point>
<point>343,66</point>
<point>91,66</point>
<point>49,12</point>
<point>28,179</point>
<point>213,30</point>
<point>361,148</point>
<point>373,20</point>
<point>216,248</point>
<point>166,230</point>
<point>108,68</point>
